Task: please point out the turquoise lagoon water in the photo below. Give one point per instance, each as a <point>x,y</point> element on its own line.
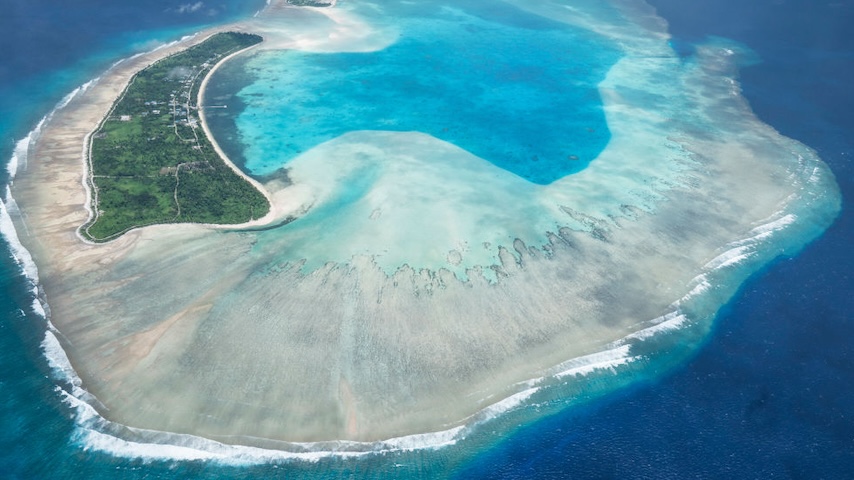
<point>516,89</point>
<point>54,447</point>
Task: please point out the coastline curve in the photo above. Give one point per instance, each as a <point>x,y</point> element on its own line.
<point>701,300</point>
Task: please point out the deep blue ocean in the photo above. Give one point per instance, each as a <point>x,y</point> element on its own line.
<point>769,395</point>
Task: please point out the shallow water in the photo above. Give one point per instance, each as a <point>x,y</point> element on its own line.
<point>401,300</point>
<point>511,87</point>
<point>425,463</point>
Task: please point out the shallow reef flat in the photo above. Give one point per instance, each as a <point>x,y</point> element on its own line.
<point>420,285</point>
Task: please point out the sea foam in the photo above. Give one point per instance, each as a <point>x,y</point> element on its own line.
<point>96,432</point>
<point>606,360</point>
<point>19,252</point>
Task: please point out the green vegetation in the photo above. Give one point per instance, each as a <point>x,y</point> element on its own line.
<point>151,162</point>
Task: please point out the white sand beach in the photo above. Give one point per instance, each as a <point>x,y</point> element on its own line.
<point>445,286</point>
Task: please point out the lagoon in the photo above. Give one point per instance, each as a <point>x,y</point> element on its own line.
<point>424,289</point>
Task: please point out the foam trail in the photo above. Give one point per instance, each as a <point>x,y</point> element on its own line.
<point>19,252</point>
<point>17,154</point>
<point>93,434</point>
<point>37,306</point>
<point>74,93</point>
<point>702,286</point>
<point>96,432</point>
<point>107,443</point>
<point>671,321</point>
<point>189,447</point>
<point>436,439</point>
<point>763,231</point>
<point>93,429</point>
<point>729,257</point>
<point>59,363</point>
<point>741,251</point>
<point>508,403</point>
<point>588,364</point>
<point>22,147</point>
<point>766,230</point>
<point>9,207</point>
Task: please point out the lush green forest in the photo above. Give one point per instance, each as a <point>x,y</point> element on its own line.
<point>151,162</point>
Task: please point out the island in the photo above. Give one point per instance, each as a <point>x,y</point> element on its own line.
<point>426,295</point>
<point>151,162</point>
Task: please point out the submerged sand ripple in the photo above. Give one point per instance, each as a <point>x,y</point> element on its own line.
<point>423,284</point>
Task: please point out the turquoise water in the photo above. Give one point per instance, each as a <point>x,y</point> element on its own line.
<point>516,89</point>
<point>39,439</point>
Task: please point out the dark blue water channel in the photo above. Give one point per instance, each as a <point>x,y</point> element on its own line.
<point>769,396</point>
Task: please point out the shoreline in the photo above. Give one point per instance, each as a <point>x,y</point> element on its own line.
<point>96,258</point>
<point>274,213</point>
<point>78,117</point>
<point>284,206</point>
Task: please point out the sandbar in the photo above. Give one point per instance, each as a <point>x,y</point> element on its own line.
<point>448,285</point>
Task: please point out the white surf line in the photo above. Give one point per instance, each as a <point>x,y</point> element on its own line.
<point>588,364</point>
<point>16,163</point>
<point>608,359</point>
<point>19,253</point>
<point>93,427</point>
